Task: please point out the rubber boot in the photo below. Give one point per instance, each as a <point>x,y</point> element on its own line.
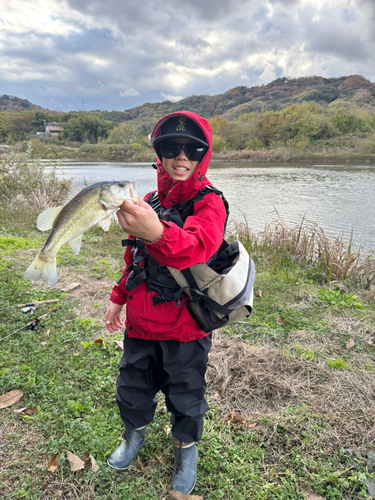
<point>185,466</point>
<point>128,449</point>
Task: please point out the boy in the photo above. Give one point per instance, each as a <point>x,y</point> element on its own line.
<point>164,349</point>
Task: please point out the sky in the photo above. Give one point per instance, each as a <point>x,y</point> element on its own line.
<point>117,54</point>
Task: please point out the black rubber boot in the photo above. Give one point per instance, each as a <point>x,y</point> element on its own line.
<point>128,449</point>
<point>185,466</point>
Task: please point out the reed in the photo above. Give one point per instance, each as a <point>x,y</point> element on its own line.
<point>26,188</point>
<point>307,244</point>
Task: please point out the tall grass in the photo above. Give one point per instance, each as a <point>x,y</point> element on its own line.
<point>26,187</point>
<point>307,244</point>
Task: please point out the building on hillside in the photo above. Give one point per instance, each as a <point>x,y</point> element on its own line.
<point>53,129</point>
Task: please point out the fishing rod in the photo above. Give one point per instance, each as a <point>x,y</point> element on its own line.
<point>35,303</point>
<point>33,325</point>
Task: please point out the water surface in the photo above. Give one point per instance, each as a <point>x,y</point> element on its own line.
<point>340,198</point>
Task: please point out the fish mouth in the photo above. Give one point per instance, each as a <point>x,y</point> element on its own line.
<point>130,195</point>
<point>133,192</point>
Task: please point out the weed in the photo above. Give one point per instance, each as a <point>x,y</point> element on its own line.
<point>339,364</point>
<point>340,299</point>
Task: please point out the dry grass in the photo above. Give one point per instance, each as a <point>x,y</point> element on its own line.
<point>264,379</point>
<point>255,155</point>
<point>308,244</point>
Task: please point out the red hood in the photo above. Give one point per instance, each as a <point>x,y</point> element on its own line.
<point>172,192</point>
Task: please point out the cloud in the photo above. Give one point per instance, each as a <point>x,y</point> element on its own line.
<point>129,92</point>
<point>170,97</point>
<point>116,54</point>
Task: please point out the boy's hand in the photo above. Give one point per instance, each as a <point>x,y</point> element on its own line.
<point>113,322</point>
<point>140,221</point>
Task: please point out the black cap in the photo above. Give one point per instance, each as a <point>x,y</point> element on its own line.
<point>179,126</point>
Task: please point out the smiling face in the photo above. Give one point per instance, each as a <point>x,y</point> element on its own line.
<point>180,168</point>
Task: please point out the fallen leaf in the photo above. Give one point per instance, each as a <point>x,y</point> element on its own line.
<point>250,426</point>
<point>101,342</point>
<point>94,465</point>
<point>120,344</point>
<point>44,342</point>
<point>53,463</point>
<point>75,462</point>
<point>241,419</point>
<point>47,333</point>
<point>280,320</point>
<point>72,286</point>
<point>30,411</point>
<point>258,293</point>
<point>371,343</point>
<point>224,386</point>
<point>20,410</point>
<point>216,395</point>
<point>350,344</point>
<point>230,417</point>
<point>371,459</point>
<point>9,398</point>
<point>167,430</point>
<point>177,495</point>
<point>310,495</point>
<point>27,410</point>
<point>370,486</point>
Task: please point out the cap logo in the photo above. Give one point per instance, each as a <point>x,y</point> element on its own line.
<point>181,124</point>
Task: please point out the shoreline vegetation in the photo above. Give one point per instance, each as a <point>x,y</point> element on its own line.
<point>341,130</point>
<point>291,389</point>
<point>100,153</point>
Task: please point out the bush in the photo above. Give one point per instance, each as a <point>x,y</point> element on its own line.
<point>219,144</point>
<point>26,186</point>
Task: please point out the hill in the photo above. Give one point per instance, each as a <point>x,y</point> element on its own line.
<point>13,104</point>
<point>274,96</point>
<point>352,90</point>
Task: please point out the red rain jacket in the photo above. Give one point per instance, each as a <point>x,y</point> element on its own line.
<point>200,237</point>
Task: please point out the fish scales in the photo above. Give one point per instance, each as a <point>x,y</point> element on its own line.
<point>76,218</point>
<point>90,206</point>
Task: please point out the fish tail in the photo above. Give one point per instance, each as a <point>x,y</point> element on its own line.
<point>40,269</point>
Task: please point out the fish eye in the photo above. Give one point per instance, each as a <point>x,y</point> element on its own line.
<point>121,184</point>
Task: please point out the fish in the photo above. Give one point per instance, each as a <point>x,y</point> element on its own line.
<point>82,209</point>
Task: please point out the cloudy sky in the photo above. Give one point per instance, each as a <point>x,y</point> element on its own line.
<point>116,54</point>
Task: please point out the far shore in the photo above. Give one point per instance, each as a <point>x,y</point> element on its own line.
<point>98,153</point>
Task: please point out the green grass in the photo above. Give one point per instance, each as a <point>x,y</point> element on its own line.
<point>71,382</point>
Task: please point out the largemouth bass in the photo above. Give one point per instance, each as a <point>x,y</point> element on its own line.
<point>83,209</point>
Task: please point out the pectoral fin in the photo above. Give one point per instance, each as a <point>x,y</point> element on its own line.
<point>46,219</point>
<point>76,244</point>
<point>105,223</point>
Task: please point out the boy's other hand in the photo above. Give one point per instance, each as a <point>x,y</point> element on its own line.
<point>140,221</point>
<point>113,322</point>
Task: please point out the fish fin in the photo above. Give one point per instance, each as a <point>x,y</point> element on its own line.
<point>105,223</point>
<point>46,219</point>
<point>76,244</point>
<point>41,270</point>
<point>75,189</point>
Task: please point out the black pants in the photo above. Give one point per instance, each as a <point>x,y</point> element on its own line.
<point>177,369</point>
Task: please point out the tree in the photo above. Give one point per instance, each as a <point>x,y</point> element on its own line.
<point>349,123</point>
<point>87,127</point>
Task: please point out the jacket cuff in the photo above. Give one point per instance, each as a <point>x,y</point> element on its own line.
<point>117,296</point>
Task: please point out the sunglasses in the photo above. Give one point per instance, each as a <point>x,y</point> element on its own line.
<point>193,152</point>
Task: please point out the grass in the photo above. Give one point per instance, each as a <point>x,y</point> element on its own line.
<point>289,373</point>
<point>291,406</point>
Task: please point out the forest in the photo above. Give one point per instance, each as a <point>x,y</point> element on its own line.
<point>282,120</point>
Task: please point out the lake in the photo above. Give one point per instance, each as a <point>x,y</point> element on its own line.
<point>340,198</point>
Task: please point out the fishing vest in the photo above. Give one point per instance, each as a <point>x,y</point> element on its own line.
<point>158,277</point>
